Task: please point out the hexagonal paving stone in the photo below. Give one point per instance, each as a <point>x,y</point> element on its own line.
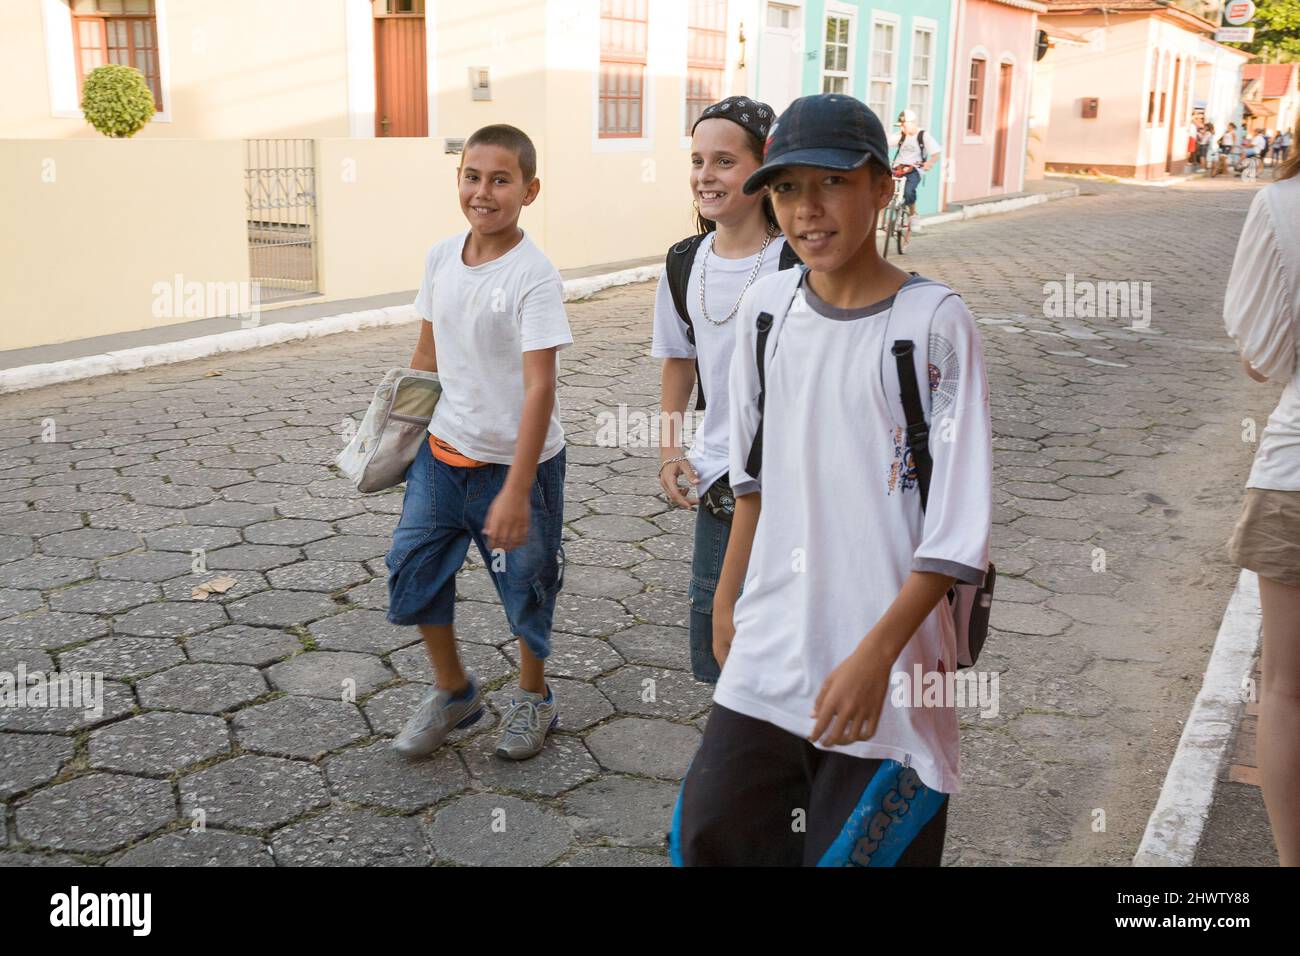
<point>614,856</point>
<point>202,688</point>
<point>329,674</point>
<point>30,759</point>
<point>188,537</point>
<point>594,617</point>
<point>667,608</point>
<point>37,523</point>
<point>282,608</point>
<point>663,575</point>
<point>348,547</point>
<point>87,708</point>
<point>230,514</point>
<point>580,704</point>
<point>14,601</point>
<point>656,692</point>
<point>320,509</point>
<point>626,811</point>
<point>487,829</point>
<point>105,597</point>
<point>197,848</point>
<point>562,764</point>
<point>171,619</point>
<point>150,566</point>
<point>487,663</point>
<point>581,658</point>
<point>373,595</point>
<point>90,543</point>
<point>123,656</point>
<point>40,572</point>
<point>253,792</point>
<point>135,517</point>
<point>158,743</point>
<point>304,727</point>
<point>352,838</point>
<point>365,631</point>
<point>240,644</point>
<point>605,554</point>
<point>615,528</point>
<point>378,776</point>
<point>252,557</point>
<point>602,583</point>
<point>12,547</point>
<point>287,531</point>
<point>654,748</point>
<point>95,813</point>
<point>655,645</point>
<point>325,576</point>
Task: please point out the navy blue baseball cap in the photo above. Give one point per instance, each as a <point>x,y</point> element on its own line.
<point>828,130</point>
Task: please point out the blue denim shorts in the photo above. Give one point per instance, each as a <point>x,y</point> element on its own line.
<point>445,507</point>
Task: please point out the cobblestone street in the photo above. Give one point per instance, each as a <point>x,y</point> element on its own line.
<point>1119,472</point>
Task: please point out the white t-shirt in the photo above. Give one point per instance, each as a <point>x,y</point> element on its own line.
<point>1261,309</point>
<point>484,318</point>
<point>842,527</point>
<point>1259,142</point>
<point>909,153</point>
<point>726,278</point>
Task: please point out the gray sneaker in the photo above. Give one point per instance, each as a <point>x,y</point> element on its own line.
<point>526,723</point>
<point>436,717</point>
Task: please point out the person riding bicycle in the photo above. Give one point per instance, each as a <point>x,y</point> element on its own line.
<point>914,152</point>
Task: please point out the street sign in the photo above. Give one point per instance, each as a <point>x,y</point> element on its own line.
<point>1234,34</point>
<point>1239,13</point>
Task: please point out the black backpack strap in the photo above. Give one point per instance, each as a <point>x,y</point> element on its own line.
<point>920,141</point>
<point>754,463</point>
<point>677,267</point>
<point>789,258</point>
<point>918,431</point>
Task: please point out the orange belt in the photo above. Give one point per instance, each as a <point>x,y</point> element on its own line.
<point>447,454</point>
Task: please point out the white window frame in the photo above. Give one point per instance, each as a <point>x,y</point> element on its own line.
<point>888,117</point>
<point>61,60</point>
<point>840,11</point>
<point>924,25</point>
<point>978,53</point>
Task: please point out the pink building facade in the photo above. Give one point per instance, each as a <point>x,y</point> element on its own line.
<point>993,80</point>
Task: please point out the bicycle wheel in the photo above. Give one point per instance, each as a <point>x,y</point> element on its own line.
<point>1250,173</point>
<point>891,224</point>
<point>903,234</point>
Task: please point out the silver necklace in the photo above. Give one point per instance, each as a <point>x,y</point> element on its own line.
<point>753,274</point>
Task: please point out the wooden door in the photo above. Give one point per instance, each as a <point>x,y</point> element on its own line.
<point>1005,74</point>
<point>401,87</point>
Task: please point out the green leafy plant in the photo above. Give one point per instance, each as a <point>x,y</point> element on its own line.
<point>116,100</point>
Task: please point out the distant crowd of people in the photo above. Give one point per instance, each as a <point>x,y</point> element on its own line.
<point>1208,148</point>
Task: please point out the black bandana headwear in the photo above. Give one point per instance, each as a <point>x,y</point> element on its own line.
<point>754,116</point>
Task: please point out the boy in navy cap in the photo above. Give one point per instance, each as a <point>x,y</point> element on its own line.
<point>804,760</point>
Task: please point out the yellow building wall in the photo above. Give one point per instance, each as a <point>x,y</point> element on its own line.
<point>92,227</point>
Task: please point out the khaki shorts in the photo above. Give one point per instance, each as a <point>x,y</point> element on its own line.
<point>1267,537</point>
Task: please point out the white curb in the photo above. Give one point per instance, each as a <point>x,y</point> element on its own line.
<point>1176,823</point>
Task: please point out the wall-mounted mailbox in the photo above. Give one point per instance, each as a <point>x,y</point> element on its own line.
<point>1090,104</point>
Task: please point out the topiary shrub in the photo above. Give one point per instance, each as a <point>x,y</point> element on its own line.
<point>116,100</point>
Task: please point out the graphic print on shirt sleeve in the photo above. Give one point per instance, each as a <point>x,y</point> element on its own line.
<point>945,375</point>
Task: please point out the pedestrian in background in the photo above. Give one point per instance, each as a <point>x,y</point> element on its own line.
<point>1262,313</point>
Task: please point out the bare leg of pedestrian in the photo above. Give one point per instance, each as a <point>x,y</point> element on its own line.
<point>1278,734</point>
